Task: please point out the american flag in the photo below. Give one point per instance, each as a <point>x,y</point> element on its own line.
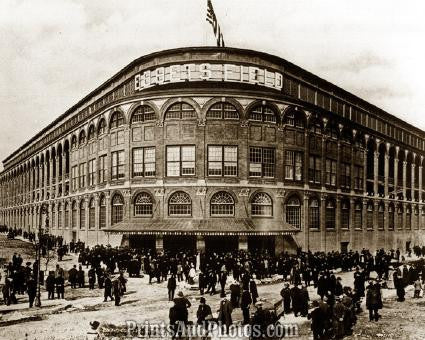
<point>212,19</point>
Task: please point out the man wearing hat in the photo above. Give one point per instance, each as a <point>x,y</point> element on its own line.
<point>318,319</point>
<point>181,305</point>
<point>108,288</point>
<point>246,301</point>
<point>373,300</point>
<point>286,298</point>
<point>204,313</point>
<point>225,313</point>
<point>339,312</point>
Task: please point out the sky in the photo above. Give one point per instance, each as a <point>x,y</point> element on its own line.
<point>54,52</point>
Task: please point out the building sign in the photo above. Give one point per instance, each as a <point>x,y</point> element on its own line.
<point>208,72</point>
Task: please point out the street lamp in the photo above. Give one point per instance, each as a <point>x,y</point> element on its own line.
<point>43,210</point>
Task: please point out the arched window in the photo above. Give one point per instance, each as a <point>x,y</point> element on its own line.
<point>409,218</point>
<point>143,205</point>
<point>358,215</point>
<point>293,212</point>
<point>180,204</point>
<point>345,214</point>
<point>391,220</point>
<point>369,216</point>
<point>381,212</point>
<point>82,139</point>
<point>66,215</point>
<point>92,214</point>
<point>91,133</point>
<point>82,214</point>
<point>102,212</point>
<point>117,120</point>
<point>74,215</point>
<point>143,113</point>
<point>222,111</point>
<point>261,205</point>
<point>74,142</point>
<point>295,119</point>
<point>52,220</point>
<point>180,111</point>
<point>101,128</point>
<point>330,214</point>
<point>262,113</point>
<point>314,214</point>
<point>400,217</point>
<point>117,209</point>
<point>59,216</point>
<point>416,221</point>
<point>222,204</point>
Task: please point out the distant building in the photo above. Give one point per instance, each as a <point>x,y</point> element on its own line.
<point>221,148</point>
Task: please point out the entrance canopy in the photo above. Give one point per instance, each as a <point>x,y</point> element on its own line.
<point>214,226</point>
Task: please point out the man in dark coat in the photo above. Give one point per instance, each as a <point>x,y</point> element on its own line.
<point>181,304</point>
<point>285,293</point>
<point>117,291</point>
<point>80,277</point>
<point>223,279</point>
<point>373,300</point>
<point>235,294</point>
<point>108,288</point>
<point>72,276</point>
<point>225,314</point>
<point>246,301</point>
<point>253,290</point>
<point>318,318</point>
<point>322,286</point>
<point>92,277</point>
<point>32,290</point>
<point>60,287</point>
<point>296,296</point>
<point>204,313</point>
<point>171,286</point>
<point>304,300</point>
<point>339,312</point>
<point>50,285</point>
<point>201,282</point>
<point>359,282</point>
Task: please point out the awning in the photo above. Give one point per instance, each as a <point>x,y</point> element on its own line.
<point>213,226</point>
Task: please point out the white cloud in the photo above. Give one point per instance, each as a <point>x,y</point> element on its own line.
<point>55,51</point>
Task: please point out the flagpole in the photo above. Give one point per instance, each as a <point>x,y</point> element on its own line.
<point>205,29</point>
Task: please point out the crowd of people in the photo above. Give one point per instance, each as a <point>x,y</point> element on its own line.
<point>235,273</point>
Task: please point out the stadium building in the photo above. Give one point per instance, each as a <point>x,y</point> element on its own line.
<point>217,149</point>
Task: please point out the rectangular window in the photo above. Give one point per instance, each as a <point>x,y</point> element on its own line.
<point>117,138</point>
<point>261,162</point>
<point>82,172</point>
<point>222,160</point>
<point>315,169</point>
<point>345,175</point>
<point>330,172</point>
<point>293,165</point>
<point>358,177</point>
<point>92,171</point>
<point>102,169</point>
<point>181,160</point>
<point>74,176</point>
<point>117,166</point>
<point>144,162</point>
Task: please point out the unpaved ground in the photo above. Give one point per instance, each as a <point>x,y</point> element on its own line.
<point>69,318</point>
